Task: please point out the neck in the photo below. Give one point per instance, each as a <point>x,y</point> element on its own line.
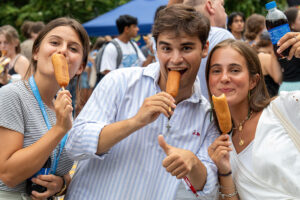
<point>124,38</point>
<point>239,113</point>
<point>47,93</point>
<point>237,35</point>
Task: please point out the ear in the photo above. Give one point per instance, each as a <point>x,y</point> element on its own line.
<point>205,49</point>
<point>80,70</point>
<point>254,80</point>
<point>126,29</point>
<point>209,7</point>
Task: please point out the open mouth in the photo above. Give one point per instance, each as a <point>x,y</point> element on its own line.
<point>180,70</point>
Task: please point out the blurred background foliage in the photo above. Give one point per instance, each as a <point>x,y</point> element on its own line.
<point>15,12</point>
<point>249,7</point>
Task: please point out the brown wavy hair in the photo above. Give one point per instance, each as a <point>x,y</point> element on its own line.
<point>259,96</point>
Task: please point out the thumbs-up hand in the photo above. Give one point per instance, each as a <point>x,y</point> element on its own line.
<point>179,162</point>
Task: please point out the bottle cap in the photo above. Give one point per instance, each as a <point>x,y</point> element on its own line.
<point>270,5</point>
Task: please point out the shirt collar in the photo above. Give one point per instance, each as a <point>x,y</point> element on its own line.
<point>153,71</point>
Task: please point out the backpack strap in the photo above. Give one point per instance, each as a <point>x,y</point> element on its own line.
<point>119,52</point>
<point>131,42</point>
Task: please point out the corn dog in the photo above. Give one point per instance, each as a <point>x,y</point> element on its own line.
<point>61,69</point>
<point>4,62</point>
<point>173,83</point>
<point>223,113</point>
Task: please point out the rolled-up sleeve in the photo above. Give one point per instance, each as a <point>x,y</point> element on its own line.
<point>99,111</point>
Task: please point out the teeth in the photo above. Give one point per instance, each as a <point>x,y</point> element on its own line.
<point>176,69</point>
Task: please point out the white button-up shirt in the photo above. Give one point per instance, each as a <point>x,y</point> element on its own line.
<point>132,169</point>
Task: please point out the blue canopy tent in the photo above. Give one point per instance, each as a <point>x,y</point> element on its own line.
<point>143,10</point>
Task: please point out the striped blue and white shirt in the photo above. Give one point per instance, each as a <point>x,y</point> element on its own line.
<point>132,169</point>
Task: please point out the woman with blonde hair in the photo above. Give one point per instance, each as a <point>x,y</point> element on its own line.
<point>10,45</point>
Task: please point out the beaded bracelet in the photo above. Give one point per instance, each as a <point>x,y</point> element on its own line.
<point>228,195</point>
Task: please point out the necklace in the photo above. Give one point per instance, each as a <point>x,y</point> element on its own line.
<point>240,127</point>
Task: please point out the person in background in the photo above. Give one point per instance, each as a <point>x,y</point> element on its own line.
<point>236,25</point>
<point>84,85</point>
<point>270,67</point>
<point>131,53</point>
<point>31,32</point>
<point>117,135</point>
<point>33,123</point>
<point>293,16</point>
<point>255,26</point>
<point>10,44</point>
<point>260,157</point>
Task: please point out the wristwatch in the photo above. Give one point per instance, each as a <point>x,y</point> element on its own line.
<point>63,189</point>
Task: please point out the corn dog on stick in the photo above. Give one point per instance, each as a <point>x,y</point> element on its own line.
<point>3,53</point>
<point>173,84</point>
<point>61,69</point>
<point>223,113</point>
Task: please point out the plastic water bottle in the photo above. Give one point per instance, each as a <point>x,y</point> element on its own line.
<point>277,25</point>
<point>45,170</point>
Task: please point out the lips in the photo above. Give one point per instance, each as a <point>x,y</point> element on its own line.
<point>180,70</point>
<point>226,90</point>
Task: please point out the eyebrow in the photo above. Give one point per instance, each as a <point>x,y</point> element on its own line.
<point>231,65</point>
<point>183,44</point>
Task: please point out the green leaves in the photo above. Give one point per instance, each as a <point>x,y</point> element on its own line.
<point>16,12</point>
<point>249,7</point>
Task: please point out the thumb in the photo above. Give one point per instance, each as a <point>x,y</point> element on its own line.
<point>162,143</point>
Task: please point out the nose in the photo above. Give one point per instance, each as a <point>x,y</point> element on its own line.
<point>225,78</point>
<point>62,49</point>
<point>176,57</point>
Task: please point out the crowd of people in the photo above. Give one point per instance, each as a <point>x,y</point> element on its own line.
<point>128,137</point>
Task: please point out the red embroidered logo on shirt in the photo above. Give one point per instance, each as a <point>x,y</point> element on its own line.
<point>196,133</point>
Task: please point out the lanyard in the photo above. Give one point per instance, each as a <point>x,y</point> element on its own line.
<point>37,95</point>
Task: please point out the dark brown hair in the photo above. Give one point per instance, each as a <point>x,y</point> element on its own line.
<point>291,14</point>
<point>259,96</point>
<point>180,18</point>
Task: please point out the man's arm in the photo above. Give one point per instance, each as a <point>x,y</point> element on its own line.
<point>95,130</point>
<point>152,107</point>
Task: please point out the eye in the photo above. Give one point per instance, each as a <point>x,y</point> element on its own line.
<point>54,42</point>
<point>74,49</point>
<point>215,70</point>
<point>165,48</point>
<point>187,48</point>
<point>235,70</point>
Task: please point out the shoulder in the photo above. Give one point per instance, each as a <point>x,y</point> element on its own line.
<point>219,33</point>
<point>22,60</point>
<point>13,93</point>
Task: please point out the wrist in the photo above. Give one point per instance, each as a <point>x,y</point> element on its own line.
<point>224,174</point>
<point>63,189</point>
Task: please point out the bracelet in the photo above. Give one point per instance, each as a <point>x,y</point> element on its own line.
<point>228,195</point>
<point>63,189</point>
<point>227,174</point>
